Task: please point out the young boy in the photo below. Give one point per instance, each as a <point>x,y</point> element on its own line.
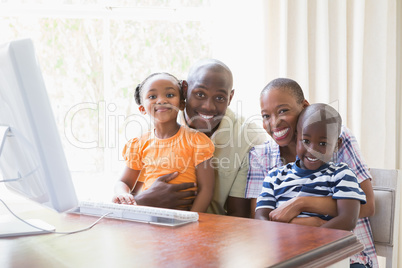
<point>282,100</point>
<point>318,129</point>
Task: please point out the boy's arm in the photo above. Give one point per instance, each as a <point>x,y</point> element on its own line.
<point>323,205</point>
<point>205,183</point>
<point>313,204</point>
<point>123,187</point>
<point>310,221</point>
<point>348,214</point>
<point>349,153</point>
<point>263,213</point>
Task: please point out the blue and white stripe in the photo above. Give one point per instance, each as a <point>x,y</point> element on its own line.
<point>290,181</point>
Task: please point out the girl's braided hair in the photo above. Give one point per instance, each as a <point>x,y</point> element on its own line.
<point>138,89</point>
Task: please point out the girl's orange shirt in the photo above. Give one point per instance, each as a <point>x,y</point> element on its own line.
<point>157,157</point>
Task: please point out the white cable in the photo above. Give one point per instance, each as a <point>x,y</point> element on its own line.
<point>50,231</point>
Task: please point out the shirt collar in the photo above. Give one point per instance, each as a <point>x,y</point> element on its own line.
<point>225,131</point>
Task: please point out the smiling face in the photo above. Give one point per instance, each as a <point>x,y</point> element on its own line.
<point>160,98</point>
<point>317,137</point>
<point>280,111</point>
<point>315,145</point>
<point>207,98</point>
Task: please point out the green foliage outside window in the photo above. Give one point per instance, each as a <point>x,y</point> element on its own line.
<point>91,65</point>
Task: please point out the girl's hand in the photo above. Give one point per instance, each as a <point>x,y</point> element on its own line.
<point>127,199</point>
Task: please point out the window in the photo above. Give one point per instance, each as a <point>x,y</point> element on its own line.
<point>94,52</point>
<point>92,57</point>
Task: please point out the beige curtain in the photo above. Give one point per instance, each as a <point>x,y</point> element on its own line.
<point>399,81</point>
<point>347,53</point>
<point>343,52</point>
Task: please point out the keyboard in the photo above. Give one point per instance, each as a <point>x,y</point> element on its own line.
<point>160,216</point>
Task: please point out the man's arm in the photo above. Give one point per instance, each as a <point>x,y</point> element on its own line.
<point>236,205</point>
<point>165,195</point>
<point>239,207</point>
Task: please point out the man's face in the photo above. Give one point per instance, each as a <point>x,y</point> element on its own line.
<point>207,98</point>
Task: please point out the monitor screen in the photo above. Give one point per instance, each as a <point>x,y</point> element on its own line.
<point>32,160</point>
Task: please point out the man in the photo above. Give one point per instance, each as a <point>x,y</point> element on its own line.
<point>208,95</point>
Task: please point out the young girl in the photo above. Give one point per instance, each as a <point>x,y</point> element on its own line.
<point>167,148</point>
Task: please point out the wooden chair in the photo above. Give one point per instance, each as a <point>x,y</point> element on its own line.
<point>385,222</point>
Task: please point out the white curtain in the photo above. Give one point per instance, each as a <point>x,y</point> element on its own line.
<point>343,53</point>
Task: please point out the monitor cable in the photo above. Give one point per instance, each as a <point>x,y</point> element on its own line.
<point>51,231</point>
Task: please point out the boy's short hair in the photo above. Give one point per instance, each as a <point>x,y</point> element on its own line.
<point>288,85</point>
<point>320,112</point>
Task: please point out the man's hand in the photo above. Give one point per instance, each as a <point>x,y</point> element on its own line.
<point>165,195</point>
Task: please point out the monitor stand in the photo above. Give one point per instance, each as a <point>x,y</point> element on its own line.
<point>3,132</point>
<point>18,228</point>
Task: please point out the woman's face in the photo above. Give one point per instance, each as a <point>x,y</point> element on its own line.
<point>280,111</point>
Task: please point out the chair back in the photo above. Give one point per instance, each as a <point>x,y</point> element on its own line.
<point>385,223</point>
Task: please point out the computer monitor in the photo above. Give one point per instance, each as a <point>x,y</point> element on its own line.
<point>32,160</point>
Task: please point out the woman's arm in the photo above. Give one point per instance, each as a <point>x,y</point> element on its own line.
<point>123,187</point>
<point>368,209</point>
<point>349,153</point>
<point>205,183</point>
<point>348,214</point>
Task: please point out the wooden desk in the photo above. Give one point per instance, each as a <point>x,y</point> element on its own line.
<point>214,241</point>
